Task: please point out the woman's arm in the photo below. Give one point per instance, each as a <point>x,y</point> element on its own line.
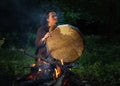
<point>39,36</point>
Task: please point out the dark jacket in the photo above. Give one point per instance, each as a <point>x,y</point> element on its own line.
<point>40,46</point>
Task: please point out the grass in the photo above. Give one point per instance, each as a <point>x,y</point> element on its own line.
<point>14,62</point>
<point>100,62</point>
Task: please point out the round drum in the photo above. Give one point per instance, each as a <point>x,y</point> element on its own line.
<point>65,43</point>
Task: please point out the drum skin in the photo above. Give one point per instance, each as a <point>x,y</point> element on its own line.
<point>65,43</point>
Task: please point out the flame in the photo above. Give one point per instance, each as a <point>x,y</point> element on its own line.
<point>57,71</point>
<point>39,69</point>
<point>32,65</point>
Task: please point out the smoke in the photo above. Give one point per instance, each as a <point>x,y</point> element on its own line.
<point>24,15</point>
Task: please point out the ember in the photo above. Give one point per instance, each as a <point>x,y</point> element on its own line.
<point>43,72</point>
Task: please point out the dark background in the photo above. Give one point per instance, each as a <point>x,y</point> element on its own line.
<point>99,17</point>
<point>98,20</point>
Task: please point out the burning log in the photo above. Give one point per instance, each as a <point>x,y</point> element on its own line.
<point>49,60</point>
<point>46,73</point>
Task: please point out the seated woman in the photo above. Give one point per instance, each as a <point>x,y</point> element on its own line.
<point>49,23</point>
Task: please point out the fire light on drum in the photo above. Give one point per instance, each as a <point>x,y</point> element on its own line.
<point>65,43</point>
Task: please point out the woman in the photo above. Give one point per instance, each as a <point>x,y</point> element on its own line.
<point>44,32</point>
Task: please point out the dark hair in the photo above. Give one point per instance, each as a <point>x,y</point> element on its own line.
<point>44,17</point>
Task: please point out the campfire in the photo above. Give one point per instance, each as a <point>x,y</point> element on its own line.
<point>44,73</point>
<point>44,70</point>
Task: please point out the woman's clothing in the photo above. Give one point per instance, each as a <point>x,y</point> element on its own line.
<point>41,50</point>
<point>40,46</point>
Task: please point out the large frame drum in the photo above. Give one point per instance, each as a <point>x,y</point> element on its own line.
<point>65,43</point>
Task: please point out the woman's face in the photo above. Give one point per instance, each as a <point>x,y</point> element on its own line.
<point>52,19</point>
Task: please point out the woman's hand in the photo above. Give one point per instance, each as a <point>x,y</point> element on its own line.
<point>46,36</point>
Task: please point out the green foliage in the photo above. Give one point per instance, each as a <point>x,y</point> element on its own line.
<point>19,40</point>
<point>98,48</point>
<point>31,39</point>
<point>70,16</point>
<point>99,63</point>
<point>13,62</point>
<point>107,74</point>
